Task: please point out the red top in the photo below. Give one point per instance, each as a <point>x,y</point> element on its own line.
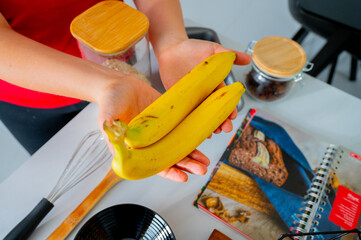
<point>46,22</point>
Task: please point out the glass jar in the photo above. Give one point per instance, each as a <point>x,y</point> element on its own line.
<point>277,64</point>
<point>113,34</point>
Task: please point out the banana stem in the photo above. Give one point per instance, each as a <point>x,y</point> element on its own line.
<point>116,133</point>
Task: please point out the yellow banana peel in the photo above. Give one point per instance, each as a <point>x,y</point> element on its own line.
<point>133,164</point>
<point>164,114</point>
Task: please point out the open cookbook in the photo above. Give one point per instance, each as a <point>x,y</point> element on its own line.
<point>274,179</point>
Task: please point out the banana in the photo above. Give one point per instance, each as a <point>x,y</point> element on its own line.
<point>262,157</point>
<point>260,135</point>
<point>133,164</point>
<point>174,105</point>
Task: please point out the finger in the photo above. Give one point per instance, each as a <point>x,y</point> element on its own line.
<point>192,166</point>
<point>218,130</point>
<point>241,58</point>
<point>227,126</point>
<point>233,114</point>
<point>174,174</point>
<point>222,84</point>
<point>200,157</point>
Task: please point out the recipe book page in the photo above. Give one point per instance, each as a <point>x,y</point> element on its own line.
<point>258,187</point>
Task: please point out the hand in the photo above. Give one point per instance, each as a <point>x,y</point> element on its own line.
<point>183,55</point>
<point>195,163</point>
<point>123,98</point>
<point>126,96</point>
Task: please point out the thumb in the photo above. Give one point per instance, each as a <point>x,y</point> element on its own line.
<point>241,58</point>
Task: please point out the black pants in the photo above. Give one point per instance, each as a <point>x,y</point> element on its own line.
<point>33,127</point>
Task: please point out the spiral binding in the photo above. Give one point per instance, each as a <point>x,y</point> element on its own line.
<point>316,195</point>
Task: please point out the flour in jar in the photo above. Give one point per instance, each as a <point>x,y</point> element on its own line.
<point>125,68</point>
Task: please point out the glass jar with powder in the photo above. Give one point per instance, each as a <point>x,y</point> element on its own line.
<point>113,34</point>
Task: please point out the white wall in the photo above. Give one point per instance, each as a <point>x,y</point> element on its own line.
<point>242,20</point>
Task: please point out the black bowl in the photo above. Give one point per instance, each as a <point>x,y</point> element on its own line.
<point>126,222</point>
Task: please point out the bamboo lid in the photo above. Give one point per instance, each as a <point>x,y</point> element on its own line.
<point>110,27</point>
<point>279,56</point>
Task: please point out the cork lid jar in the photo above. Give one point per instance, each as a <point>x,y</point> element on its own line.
<point>277,63</point>
<point>112,31</point>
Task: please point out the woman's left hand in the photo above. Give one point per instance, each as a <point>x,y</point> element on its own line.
<point>179,58</point>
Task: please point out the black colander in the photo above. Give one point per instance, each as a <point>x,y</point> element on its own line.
<point>126,222</point>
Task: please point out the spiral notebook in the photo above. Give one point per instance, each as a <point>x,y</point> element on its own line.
<point>274,180</point>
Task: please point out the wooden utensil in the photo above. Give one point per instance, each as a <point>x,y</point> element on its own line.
<point>217,235</point>
<point>67,226</point>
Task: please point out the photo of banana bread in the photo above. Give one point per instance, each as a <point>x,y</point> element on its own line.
<point>257,154</point>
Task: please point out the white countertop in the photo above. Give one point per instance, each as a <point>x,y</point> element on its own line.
<point>315,107</point>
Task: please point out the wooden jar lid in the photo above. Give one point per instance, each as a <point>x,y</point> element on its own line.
<point>279,56</point>
<point>110,27</point>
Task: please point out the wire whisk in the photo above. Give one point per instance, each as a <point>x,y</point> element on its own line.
<point>91,153</point>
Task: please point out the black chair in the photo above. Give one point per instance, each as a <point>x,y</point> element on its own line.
<point>339,22</point>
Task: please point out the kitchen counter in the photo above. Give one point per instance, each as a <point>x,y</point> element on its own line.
<point>313,106</point>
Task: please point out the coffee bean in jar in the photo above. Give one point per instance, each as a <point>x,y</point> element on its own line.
<point>277,63</point>
<point>265,88</point>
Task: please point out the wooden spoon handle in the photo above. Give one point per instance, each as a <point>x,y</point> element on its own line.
<point>88,203</point>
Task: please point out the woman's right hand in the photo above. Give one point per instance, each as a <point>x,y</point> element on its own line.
<point>126,96</point>
<point>123,98</point>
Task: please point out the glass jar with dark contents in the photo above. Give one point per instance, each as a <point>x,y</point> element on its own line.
<point>267,88</point>
<point>277,64</point>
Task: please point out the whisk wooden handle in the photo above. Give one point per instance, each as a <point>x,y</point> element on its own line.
<point>88,203</point>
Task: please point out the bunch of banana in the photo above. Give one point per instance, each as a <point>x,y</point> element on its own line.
<point>187,127</point>
<point>159,118</point>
